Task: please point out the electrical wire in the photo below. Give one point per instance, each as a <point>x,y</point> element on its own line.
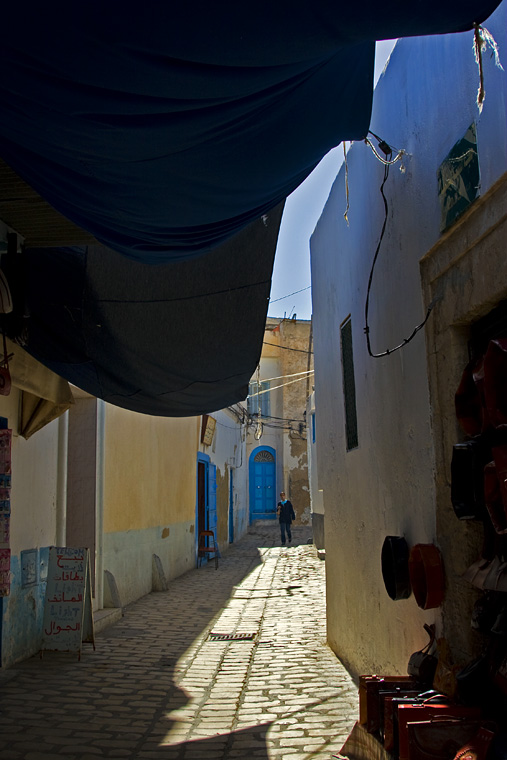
<point>284,419</point>
<point>281,377</point>
<point>385,148</point>
<point>289,295</point>
<point>286,348</point>
<point>268,390</point>
<point>416,329</point>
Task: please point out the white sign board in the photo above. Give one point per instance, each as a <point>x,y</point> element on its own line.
<point>68,619</point>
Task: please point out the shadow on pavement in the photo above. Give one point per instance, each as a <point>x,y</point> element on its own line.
<point>118,700</point>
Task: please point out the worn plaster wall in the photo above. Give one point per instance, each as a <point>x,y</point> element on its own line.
<point>469,280</point>
<point>316,494</point>
<point>424,103</point>
<point>32,529</point>
<point>149,497</point>
<point>285,352</point>
<point>227,452</point>
<point>81,507</point>
<point>296,335</point>
<point>391,483</point>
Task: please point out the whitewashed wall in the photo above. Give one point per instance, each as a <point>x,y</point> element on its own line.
<point>423,104</point>
<point>228,453</point>
<point>33,527</point>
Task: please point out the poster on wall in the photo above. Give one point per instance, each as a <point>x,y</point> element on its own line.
<point>5,511</point>
<point>68,620</point>
<point>5,572</point>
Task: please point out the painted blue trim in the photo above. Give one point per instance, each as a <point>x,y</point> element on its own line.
<point>206,460</point>
<point>251,465</point>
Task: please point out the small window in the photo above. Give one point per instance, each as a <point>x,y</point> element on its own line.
<point>261,400</point>
<point>313,427</point>
<point>349,385</point>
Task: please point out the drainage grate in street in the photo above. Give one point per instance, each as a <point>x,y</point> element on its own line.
<point>231,636</point>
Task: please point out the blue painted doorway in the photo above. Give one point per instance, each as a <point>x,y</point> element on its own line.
<point>262,473</point>
<point>206,502</point>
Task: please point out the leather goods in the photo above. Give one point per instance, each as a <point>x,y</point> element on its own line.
<point>394,561</point>
<point>426,575</point>
<point>477,747</point>
<point>473,681</point>
<point>500,678</point>
<point>468,399</point>
<point>369,687</point>
<point>422,664</point>
<point>500,459</point>
<point>426,712</point>
<point>389,701</point>
<point>493,498</point>
<point>476,572</point>
<point>5,375</point>
<point>467,479</point>
<point>499,627</point>
<point>389,734</point>
<point>486,611</point>
<point>446,671</point>
<point>440,738</point>
<point>495,381</point>
<point>5,295</point>
<point>496,579</point>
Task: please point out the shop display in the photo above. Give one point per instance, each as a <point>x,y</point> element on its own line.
<point>394,561</point>
<point>426,571</point>
<point>422,664</point>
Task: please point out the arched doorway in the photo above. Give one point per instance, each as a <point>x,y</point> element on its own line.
<point>262,472</point>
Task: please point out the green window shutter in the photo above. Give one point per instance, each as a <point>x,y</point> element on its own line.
<point>349,385</point>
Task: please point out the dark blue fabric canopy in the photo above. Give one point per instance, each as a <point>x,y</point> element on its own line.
<point>176,339</point>
<point>172,133</point>
<point>164,128</point>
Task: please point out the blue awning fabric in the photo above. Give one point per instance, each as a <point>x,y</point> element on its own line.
<point>177,339</point>
<point>172,133</point>
<point>164,128</point>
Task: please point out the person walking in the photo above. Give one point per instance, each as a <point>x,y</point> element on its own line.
<point>286,515</point>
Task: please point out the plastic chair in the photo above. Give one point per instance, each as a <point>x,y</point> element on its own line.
<point>207,546</point>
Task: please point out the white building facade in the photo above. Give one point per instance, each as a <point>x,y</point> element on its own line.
<point>386,426</point>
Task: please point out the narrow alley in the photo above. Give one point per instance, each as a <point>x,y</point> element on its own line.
<point>161,686</point>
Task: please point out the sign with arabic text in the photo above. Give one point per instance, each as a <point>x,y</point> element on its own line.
<point>68,617</point>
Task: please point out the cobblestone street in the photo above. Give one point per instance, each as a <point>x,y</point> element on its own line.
<point>157,687</point>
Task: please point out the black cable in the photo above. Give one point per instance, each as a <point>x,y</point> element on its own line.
<point>284,419</point>
<point>286,348</point>
<point>383,145</point>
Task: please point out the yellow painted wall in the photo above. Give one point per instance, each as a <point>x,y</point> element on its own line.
<point>149,470</point>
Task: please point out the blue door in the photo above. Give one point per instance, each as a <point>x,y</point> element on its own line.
<point>212,499</point>
<point>262,484</point>
<point>206,503</point>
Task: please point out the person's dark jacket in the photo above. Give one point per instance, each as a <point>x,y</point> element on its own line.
<point>286,513</point>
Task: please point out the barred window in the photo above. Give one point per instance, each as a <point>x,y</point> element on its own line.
<point>349,385</point>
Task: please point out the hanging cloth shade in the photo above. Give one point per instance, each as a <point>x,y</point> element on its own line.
<point>163,130</point>
<point>177,339</point>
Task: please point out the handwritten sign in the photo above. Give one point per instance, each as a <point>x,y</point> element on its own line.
<point>68,619</point>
